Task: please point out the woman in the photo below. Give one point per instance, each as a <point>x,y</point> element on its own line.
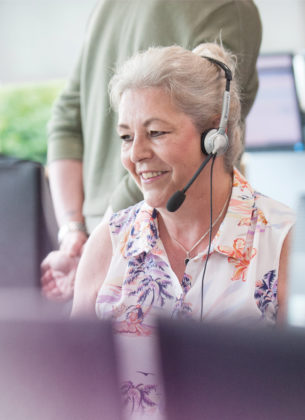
<point>147,260</point>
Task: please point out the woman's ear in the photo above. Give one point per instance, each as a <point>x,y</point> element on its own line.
<point>215,121</point>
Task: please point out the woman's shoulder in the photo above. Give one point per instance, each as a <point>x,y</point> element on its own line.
<point>274,210</point>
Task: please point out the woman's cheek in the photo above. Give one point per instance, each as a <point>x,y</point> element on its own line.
<point>125,157</point>
<point>128,164</point>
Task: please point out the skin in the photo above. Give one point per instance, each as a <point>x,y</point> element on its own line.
<point>59,267</point>
<point>161,150</point>
<point>282,289</point>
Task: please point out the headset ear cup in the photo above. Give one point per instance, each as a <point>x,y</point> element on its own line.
<point>221,143</point>
<point>207,140</point>
<point>212,141</point>
<point>203,140</point>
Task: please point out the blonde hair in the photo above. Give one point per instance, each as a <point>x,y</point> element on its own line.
<point>195,85</point>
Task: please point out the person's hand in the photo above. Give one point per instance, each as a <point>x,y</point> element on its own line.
<point>58,271</point>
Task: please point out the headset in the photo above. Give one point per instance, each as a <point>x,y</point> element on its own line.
<point>213,141</point>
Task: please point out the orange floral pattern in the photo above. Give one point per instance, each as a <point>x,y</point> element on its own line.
<point>240,256</point>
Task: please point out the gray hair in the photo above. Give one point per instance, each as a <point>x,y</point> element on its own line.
<point>195,85</point>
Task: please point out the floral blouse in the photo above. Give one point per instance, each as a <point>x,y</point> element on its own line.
<point>240,283</point>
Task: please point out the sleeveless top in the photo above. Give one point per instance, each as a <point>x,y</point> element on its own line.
<point>240,282</point>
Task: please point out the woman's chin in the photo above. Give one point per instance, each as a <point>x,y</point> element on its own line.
<point>155,202</point>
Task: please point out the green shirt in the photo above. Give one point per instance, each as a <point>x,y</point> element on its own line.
<point>82,125</point>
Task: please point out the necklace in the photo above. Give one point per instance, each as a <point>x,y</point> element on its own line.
<point>188,252</point>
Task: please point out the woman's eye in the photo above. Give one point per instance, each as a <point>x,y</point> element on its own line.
<point>154,133</point>
<point>126,137</point>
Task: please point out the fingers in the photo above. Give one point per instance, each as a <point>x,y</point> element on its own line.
<point>46,277</point>
<point>51,291</point>
<point>58,261</point>
<point>54,294</point>
<point>47,261</point>
<point>58,271</point>
<point>57,285</point>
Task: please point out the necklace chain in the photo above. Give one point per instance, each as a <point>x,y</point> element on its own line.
<point>188,252</point>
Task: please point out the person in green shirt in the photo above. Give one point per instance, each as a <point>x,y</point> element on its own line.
<point>87,179</point>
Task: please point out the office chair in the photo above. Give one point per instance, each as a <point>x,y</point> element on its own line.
<point>27,222</point>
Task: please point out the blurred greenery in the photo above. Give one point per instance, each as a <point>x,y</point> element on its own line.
<point>24,112</point>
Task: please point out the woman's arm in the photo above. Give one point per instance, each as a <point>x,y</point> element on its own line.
<point>282,289</point>
<point>92,271</point>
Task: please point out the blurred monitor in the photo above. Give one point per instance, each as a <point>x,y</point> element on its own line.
<point>274,122</point>
<point>55,369</point>
<point>218,372</point>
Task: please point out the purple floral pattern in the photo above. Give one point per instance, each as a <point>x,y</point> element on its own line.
<point>139,397</point>
<point>152,280</point>
<point>266,295</point>
<point>182,308</point>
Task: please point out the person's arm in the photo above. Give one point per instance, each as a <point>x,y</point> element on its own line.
<point>246,45</point>
<point>65,152</point>
<point>282,288</point>
<point>59,267</point>
<point>66,184</point>
<point>238,25</point>
<point>242,34</point>
<point>92,270</point>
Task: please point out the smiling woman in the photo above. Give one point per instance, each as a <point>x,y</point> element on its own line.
<point>160,144</point>
<point>223,254</point>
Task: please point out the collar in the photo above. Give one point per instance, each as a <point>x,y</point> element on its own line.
<point>232,238</point>
<point>235,235</point>
<point>144,233</point>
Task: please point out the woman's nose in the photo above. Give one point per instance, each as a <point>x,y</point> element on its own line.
<point>141,149</point>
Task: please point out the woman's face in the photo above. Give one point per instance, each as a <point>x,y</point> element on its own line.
<point>160,144</point>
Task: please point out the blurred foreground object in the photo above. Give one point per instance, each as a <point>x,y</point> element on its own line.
<point>215,371</point>
<point>59,370</point>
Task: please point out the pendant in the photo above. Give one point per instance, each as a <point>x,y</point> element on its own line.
<point>187,258</point>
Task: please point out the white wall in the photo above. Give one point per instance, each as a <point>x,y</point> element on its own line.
<point>283,24</point>
<point>40,39</point>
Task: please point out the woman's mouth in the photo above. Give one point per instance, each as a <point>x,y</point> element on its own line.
<point>152,175</point>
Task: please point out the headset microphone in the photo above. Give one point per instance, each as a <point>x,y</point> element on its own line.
<point>178,197</point>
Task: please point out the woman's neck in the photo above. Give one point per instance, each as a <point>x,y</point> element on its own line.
<point>192,219</point>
